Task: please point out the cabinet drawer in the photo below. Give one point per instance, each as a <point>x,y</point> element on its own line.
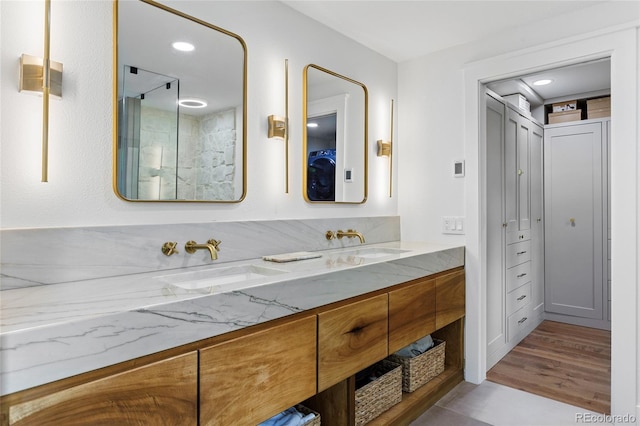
<point>450,298</point>
<point>412,313</point>
<point>351,338</point>
<point>519,297</point>
<point>518,236</point>
<point>518,321</point>
<point>518,275</point>
<point>248,379</point>
<point>518,253</point>
<point>165,392</point>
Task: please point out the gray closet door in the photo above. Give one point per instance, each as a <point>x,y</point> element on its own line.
<point>574,179</point>
<point>537,219</point>
<point>496,316</point>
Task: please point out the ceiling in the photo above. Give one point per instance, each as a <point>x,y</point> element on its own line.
<point>402,30</point>
<point>405,30</point>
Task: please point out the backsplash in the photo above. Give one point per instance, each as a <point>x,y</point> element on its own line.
<point>33,257</point>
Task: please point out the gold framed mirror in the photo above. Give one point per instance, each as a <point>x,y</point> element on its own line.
<point>181,112</point>
<point>334,137</point>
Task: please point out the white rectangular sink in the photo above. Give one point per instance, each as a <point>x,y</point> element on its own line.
<point>373,252</point>
<point>221,280</point>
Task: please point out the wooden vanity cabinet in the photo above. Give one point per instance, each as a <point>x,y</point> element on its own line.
<point>450,298</point>
<point>162,393</point>
<point>255,373</point>
<point>248,379</point>
<point>412,313</point>
<point>430,305</point>
<point>350,338</point>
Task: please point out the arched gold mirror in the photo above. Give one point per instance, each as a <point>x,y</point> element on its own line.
<point>334,137</point>
<point>181,107</point>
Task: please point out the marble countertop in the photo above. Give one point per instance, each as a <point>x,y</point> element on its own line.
<point>56,331</point>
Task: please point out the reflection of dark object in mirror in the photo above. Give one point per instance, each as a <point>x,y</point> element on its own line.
<point>321,175</point>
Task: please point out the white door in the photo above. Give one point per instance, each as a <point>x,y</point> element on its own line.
<point>537,219</point>
<point>573,172</point>
<point>496,321</point>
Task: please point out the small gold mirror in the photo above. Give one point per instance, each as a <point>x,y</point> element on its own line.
<point>181,107</point>
<point>334,137</point>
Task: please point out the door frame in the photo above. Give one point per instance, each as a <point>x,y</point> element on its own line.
<point>622,47</point>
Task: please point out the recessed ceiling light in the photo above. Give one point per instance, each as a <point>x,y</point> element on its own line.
<point>312,124</point>
<point>192,103</point>
<point>542,82</point>
<point>183,46</point>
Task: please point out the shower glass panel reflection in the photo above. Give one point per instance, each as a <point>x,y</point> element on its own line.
<point>148,140</point>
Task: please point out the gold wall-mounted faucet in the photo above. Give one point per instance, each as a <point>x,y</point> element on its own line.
<point>211,245</point>
<point>349,233</point>
<point>169,248</point>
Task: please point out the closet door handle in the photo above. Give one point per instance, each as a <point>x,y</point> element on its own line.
<point>522,320</point>
<point>522,297</point>
<point>520,252</point>
<point>521,275</point>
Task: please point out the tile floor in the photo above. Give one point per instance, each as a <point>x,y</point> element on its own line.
<point>493,404</point>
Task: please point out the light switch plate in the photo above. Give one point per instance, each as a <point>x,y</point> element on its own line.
<point>453,225</point>
<point>458,168</point>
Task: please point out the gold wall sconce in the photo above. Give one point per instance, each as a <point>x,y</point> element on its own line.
<point>42,75</point>
<point>385,149</point>
<point>279,126</point>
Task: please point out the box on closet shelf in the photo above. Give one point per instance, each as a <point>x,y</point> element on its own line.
<point>519,100</point>
<point>380,393</point>
<point>565,106</point>
<point>420,369</point>
<point>599,107</point>
<point>565,116</point>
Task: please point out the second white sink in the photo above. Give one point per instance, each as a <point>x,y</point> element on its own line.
<point>220,280</point>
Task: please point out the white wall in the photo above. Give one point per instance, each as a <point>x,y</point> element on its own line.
<point>447,129</point>
<point>79,191</point>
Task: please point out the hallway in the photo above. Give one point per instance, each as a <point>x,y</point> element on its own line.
<point>564,362</point>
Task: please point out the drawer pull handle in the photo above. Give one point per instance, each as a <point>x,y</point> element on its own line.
<point>522,320</point>
<point>356,330</point>
<point>522,297</point>
<point>520,252</point>
<point>520,276</point>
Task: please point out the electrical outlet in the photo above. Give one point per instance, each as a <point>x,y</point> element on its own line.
<point>453,225</point>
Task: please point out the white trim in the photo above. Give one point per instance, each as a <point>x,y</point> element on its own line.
<point>621,46</point>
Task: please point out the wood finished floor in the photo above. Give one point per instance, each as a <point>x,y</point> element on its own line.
<point>564,362</point>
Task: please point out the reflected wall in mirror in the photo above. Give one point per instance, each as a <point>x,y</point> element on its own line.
<point>335,137</point>
<point>181,108</point>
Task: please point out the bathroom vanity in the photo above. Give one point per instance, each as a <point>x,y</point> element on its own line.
<point>240,357</point>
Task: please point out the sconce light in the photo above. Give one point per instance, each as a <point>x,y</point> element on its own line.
<point>279,126</point>
<point>42,75</point>
<point>385,149</point>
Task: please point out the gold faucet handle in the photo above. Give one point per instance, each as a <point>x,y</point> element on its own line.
<point>330,235</point>
<point>214,243</point>
<point>169,248</point>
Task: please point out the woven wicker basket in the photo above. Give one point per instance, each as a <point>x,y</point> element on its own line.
<point>378,396</point>
<point>304,410</point>
<point>418,370</point>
